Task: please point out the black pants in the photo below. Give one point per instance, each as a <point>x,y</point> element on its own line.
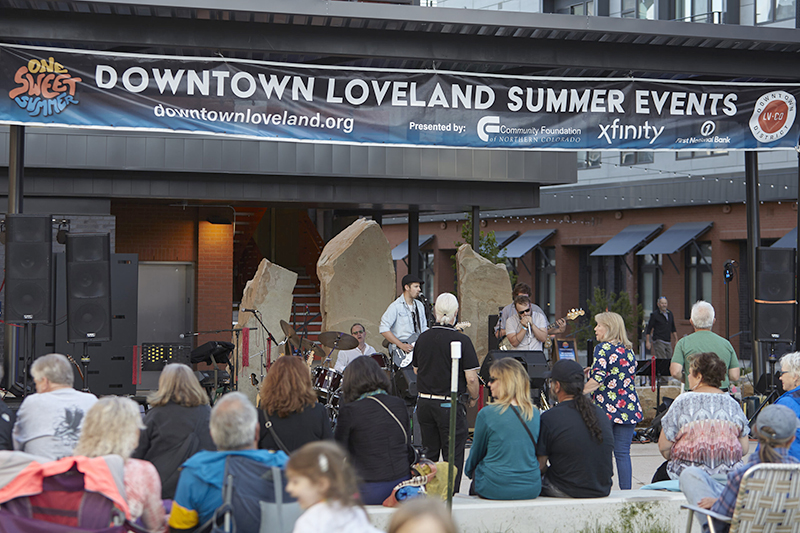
<point>434,422</point>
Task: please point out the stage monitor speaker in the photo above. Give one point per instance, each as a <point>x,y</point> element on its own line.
<point>775,322</point>
<point>88,288</point>
<point>533,361</point>
<point>775,276</point>
<point>29,243</point>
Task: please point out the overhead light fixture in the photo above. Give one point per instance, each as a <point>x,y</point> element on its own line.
<point>216,219</point>
<point>63,229</point>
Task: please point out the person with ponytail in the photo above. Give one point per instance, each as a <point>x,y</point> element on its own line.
<point>775,429</point>
<point>575,439</point>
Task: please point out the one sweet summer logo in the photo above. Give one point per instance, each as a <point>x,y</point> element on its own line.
<point>773,116</point>
<point>44,87</point>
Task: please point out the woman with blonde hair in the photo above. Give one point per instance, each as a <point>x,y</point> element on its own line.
<point>502,461</point>
<point>112,427</point>
<point>290,415</point>
<point>176,426</point>
<point>611,384</point>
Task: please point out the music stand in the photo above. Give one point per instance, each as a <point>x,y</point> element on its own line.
<point>534,362</point>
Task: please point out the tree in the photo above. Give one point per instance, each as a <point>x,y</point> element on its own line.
<point>618,303</point>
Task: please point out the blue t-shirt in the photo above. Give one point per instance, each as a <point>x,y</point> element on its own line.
<point>502,460</point>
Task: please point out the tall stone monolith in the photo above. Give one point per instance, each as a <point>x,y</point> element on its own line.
<point>270,292</point>
<point>357,280</point>
<point>482,287</point>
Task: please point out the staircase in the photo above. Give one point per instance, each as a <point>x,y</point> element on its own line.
<point>306,306</point>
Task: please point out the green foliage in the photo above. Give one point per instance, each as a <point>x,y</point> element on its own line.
<point>618,303</point>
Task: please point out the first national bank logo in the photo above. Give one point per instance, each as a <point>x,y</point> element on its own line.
<point>773,116</point>
<point>488,126</point>
<point>44,87</point>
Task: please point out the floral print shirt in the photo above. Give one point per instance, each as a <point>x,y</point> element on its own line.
<point>614,369</point>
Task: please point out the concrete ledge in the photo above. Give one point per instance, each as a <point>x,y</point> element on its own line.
<point>632,511</point>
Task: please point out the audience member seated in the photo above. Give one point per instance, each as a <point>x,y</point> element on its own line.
<point>176,426</point>
<point>6,423</point>
<point>422,515</point>
<point>289,409</point>
<point>234,429</point>
<point>49,422</point>
<point>790,378</point>
<point>775,428</point>
<point>705,427</point>
<point>373,427</point>
<point>575,438</point>
<point>112,427</point>
<point>502,460</point>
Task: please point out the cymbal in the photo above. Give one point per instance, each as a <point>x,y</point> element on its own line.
<point>338,340</point>
<point>294,340</point>
<point>307,346</point>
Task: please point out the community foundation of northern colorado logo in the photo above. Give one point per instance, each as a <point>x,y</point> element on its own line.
<point>773,116</point>
<point>44,87</point>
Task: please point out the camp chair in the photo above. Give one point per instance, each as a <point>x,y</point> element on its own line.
<point>768,502</point>
<point>254,500</point>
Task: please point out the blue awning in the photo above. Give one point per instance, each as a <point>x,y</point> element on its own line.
<point>400,251</point>
<point>676,238</point>
<point>527,242</point>
<point>503,238</point>
<point>787,241</point>
<point>628,239</point>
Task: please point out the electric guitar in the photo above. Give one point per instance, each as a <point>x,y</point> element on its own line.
<point>402,359</point>
<point>505,344</point>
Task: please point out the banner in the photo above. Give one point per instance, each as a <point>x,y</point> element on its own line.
<point>261,100</point>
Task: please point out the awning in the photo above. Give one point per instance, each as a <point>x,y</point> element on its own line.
<point>626,240</point>
<point>787,241</point>
<point>527,242</point>
<point>503,238</point>
<point>676,238</point>
<point>400,251</point>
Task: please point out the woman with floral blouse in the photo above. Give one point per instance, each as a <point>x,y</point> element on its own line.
<point>611,384</point>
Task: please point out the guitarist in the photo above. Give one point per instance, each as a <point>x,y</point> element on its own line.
<point>527,329</point>
<point>405,317</point>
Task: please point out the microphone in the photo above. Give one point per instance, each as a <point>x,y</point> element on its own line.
<point>187,334</point>
<point>254,311</point>
<point>422,297</point>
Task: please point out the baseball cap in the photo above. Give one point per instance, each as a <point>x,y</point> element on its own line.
<point>408,279</point>
<point>565,371</point>
<point>777,422</point>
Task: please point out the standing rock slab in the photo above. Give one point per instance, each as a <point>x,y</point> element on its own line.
<point>482,287</point>
<point>357,280</point>
<point>270,291</point>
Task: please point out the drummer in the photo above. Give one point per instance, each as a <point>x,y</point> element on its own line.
<point>345,356</point>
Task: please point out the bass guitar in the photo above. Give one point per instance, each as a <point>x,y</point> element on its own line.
<point>574,313</point>
<point>402,359</point>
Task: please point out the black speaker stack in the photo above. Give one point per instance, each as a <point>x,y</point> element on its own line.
<point>29,274</point>
<point>88,287</point>
<point>775,295</point>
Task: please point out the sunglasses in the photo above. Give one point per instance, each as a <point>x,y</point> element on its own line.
<point>525,311</point>
<point>358,332</point>
<point>491,380</point>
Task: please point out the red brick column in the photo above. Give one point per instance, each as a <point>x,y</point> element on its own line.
<point>214,279</point>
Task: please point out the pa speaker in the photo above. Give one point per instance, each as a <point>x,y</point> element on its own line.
<point>29,275</point>
<point>88,288</point>
<point>775,322</point>
<point>775,274</point>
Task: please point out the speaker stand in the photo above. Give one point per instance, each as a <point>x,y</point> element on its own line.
<point>772,390</point>
<point>85,360</point>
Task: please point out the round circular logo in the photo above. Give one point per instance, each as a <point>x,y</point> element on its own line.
<point>773,116</point>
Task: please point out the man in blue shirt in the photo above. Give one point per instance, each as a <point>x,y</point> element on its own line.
<point>234,430</point>
<point>405,316</point>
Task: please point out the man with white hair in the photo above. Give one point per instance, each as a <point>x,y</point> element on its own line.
<point>703,340</point>
<point>234,430</point>
<point>49,422</point>
<point>432,363</point>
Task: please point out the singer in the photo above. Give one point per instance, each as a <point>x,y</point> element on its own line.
<point>527,330</point>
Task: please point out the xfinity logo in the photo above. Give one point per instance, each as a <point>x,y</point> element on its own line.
<point>488,125</point>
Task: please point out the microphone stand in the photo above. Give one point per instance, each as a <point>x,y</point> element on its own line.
<point>256,313</point>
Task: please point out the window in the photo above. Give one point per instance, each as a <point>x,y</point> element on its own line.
<point>635,158</point>
<point>698,275</point>
<point>587,159</point>
<point>583,8</point>
<point>649,282</point>
<point>774,10</point>
<point>699,154</point>
<point>708,11</point>
<point>639,9</point>
<point>546,281</point>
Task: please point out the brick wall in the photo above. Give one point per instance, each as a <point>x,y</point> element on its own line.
<point>214,279</point>
<point>156,232</point>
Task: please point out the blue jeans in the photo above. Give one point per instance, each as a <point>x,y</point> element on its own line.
<point>623,435</point>
<point>696,484</point>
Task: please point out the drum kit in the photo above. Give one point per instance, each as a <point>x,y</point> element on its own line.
<point>326,380</point>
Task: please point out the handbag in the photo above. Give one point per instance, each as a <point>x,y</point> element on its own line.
<point>405,433</point>
<point>524,425</point>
